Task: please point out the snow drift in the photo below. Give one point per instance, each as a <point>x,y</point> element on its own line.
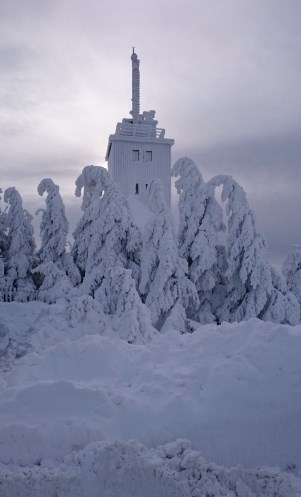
<point>233,390</point>
<point>127,469</point>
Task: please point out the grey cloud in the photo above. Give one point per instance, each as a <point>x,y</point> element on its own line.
<point>15,57</point>
<point>62,169</point>
<point>267,157</point>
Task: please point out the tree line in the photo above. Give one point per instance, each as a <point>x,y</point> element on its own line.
<point>214,269</point>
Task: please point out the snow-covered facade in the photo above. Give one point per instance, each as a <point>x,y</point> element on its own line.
<point>138,152</point>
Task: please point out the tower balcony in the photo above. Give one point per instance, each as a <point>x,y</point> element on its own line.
<point>139,130</point>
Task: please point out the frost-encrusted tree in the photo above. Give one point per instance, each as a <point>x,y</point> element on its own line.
<point>88,184</point>
<point>113,239</point>
<point>254,288</point>
<point>165,288</point>
<point>119,299</point>
<point>282,306</point>
<point>201,220</point>
<point>3,230</point>
<point>54,225</point>
<point>189,180</point>
<point>250,282</point>
<point>292,271</point>
<point>20,252</point>
<point>3,248</point>
<point>55,283</point>
<point>54,230</point>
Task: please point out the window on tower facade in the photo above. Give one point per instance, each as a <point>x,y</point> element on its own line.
<point>137,189</point>
<point>135,155</point>
<point>148,156</point>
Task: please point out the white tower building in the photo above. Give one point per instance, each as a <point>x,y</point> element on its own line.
<point>138,151</point>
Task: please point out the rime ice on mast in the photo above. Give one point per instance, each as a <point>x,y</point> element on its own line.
<point>138,151</point>
<point>135,87</point>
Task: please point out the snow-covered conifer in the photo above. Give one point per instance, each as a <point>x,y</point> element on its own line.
<point>67,264</point>
<point>20,253</point>
<point>201,220</point>
<point>188,181</point>
<point>3,231</point>
<point>164,283</point>
<point>55,283</point>
<point>88,184</point>
<point>3,248</point>
<point>54,231</point>
<point>86,309</point>
<point>1,268</point>
<point>113,239</point>
<point>119,298</point>
<point>282,306</point>
<point>250,281</point>
<point>54,225</point>
<point>292,271</point>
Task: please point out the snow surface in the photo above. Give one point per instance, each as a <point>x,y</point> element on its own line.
<point>233,390</point>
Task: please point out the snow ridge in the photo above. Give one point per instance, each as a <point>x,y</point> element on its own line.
<point>128,469</point>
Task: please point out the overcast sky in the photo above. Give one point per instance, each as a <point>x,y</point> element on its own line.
<point>223,75</point>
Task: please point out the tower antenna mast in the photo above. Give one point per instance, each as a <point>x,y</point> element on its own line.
<point>135,87</point>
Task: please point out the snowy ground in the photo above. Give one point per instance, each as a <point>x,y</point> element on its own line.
<point>233,391</point>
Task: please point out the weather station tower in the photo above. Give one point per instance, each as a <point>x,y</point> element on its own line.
<point>138,152</point>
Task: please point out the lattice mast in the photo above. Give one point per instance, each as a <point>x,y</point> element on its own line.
<point>135,87</point>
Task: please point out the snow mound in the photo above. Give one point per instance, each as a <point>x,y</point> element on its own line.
<point>128,469</point>
<point>67,381</point>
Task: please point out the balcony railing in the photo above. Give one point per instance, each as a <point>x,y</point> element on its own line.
<point>140,130</point>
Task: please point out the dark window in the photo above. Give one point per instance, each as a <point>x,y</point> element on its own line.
<point>146,186</point>
<point>135,155</point>
<point>137,189</point>
<point>148,156</point>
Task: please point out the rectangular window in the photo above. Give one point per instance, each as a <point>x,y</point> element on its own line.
<point>135,155</point>
<point>148,156</point>
<point>146,186</point>
<point>137,189</point>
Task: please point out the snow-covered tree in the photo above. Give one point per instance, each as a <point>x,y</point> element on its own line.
<point>54,225</point>
<point>282,306</point>
<point>3,230</point>
<point>250,281</point>
<point>89,185</point>
<point>55,284</point>
<point>67,264</point>
<point>20,252</point>
<point>188,182</point>
<point>292,271</point>
<point>113,239</point>
<point>120,299</point>
<point>201,220</point>
<point>3,249</point>
<point>164,285</point>
<point>1,269</point>
<point>86,309</point>
<point>254,288</point>
<point>54,231</point>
